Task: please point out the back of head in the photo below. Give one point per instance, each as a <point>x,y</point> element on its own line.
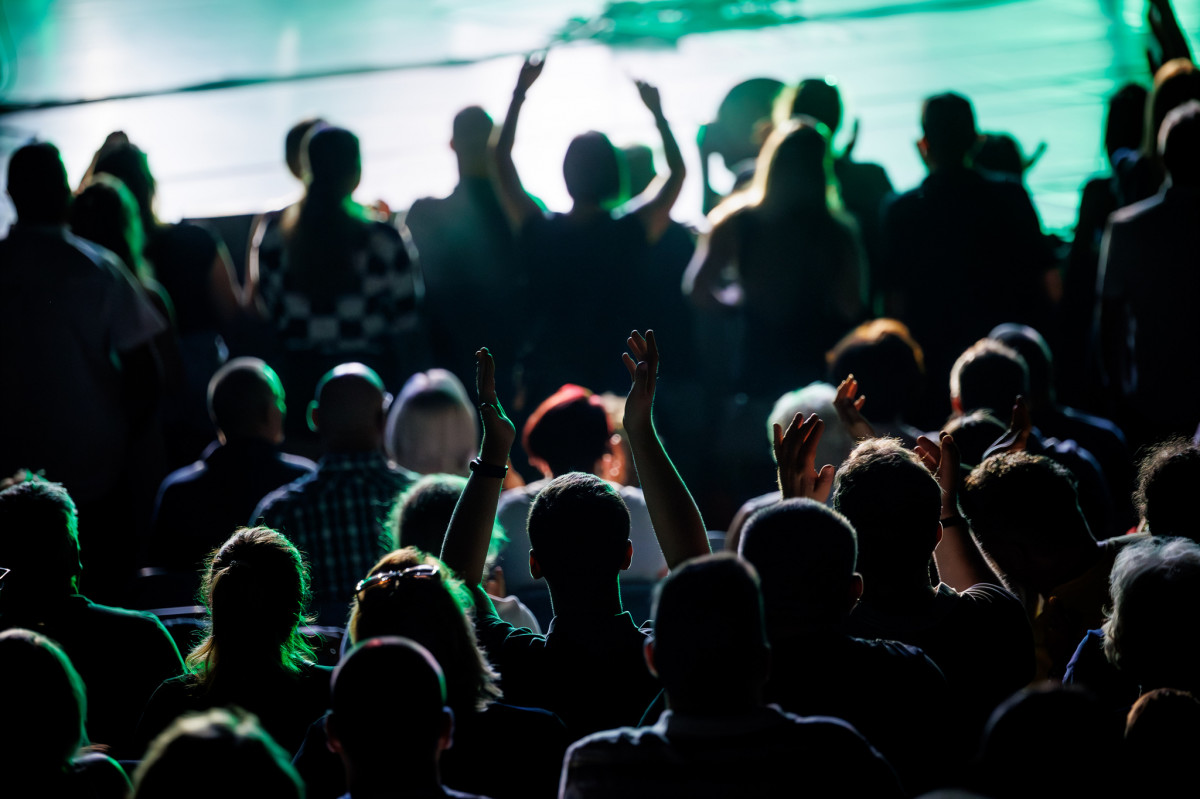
<point>472,129</point>
<point>1154,584</point>
<point>37,184</point>
<point>1000,153</point>
<point>794,169</point>
<point>348,408</point>
<point>332,161</point>
<point>1167,476</point>
<point>988,376</point>
<point>423,511</point>
<point>709,611</point>
<point>835,443</point>
<point>948,123</point>
<point>974,432</point>
<point>432,426</point>
<point>129,164</point>
<point>568,432</point>
<point>746,106</point>
<point>39,544</point>
<point>805,555</point>
<point>1163,727</point>
<point>894,504</point>
<point>1179,144</point>
<point>231,749</point>
<point>1176,82</point>
<point>387,698</point>
<point>579,532</point>
<point>413,595</point>
<point>818,98</point>
<point>593,170</point>
<point>293,145</point>
<point>44,703</point>
<point>1125,119</point>
<point>243,397</point>
<point>1032,347</point>
<point>886,359</point>
<point>106,213</point>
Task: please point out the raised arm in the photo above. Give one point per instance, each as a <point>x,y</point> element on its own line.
<point>677,522</point>
<point>656,212</point>
<point>464,550</point>
<point>518,205</point>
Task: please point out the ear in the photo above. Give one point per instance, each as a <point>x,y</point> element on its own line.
<point>446,736</point>
<point>923,149</point>
<point>535,568</point>
<point>311,415</point>
<point>452,146</point>
<point>332,742</point>
<point>648,653</point>
<point>856,589</point>
<point>628,558</point>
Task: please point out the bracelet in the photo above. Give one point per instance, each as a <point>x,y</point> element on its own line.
<point>488,470</point>
<point>954,521</point>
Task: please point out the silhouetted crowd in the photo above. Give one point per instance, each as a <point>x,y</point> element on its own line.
<point>977,582</point>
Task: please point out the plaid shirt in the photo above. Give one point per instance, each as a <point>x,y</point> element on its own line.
<point>337,516</point>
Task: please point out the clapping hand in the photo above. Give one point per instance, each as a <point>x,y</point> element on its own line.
<point>943,461</point>
<point>796,456</point>
<point>1016,438</point>
<point>849,405</point>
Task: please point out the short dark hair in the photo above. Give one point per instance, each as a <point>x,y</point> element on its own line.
<point>568,431</point>
<point>39,538</point>
<point>593,170</point>
<point>989,375</point>
<point>887,361</point>
<point>1167,476</point>
<point>45,703</point>
<point>1039,360</point>
<point>948,122</point>
<point>331,156</point>
<point>804,554</point>
<point>1179,142</point>
<point>894,504</point>
<point>974,433</point>
<point>241,394</point>
<point>818,98</point>
<point>1018,496</point>
<point>578,529</point>
<point>37,184</point>
<point>422,513</point>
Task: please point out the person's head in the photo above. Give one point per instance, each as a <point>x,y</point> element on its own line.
<point>432,426</point>
<point>1032,347</point>
<point>106,213</point>
<point>887,361</point>
<point>230,746</point>
<point>568,432</point>
<point>129,164</point>
<point>1154,584</point>
<point>1001,153</point>
<point>348,409</point>
<point>578,534</point>
<point>895,506</point>
<point>388,718</point>
<point>293,145</point>
<point>1167,476</point>
<point>37,185</point>
<point>412,594</point>
<point>818,98</point>
<point>988,376</point>
<point>331,161</point>
<point>39,544</point>
<point>974,433</point>
<point>1176,82</point>
<point>948,128</point>
<point>1163,727</point>
<point>472,129</point>
<point>1179,144</point>
<point>795,169</point>
<point>256,590</point>
<point>744,112</point>
<point>1125,119</point>
<point>1024,512</point>
<point>709,611</point>
<point>593,170</point>
<point>246,401</point>
<point>45,705</point>
<point>422,514</point>
<point>805,555</point>
<point>835,443</point>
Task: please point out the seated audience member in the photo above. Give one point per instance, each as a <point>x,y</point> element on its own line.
<point>1024,511</point>
<point>337,514</point>
<point>409,594</point>
<point>1163,728</point>
<point>797,263</point>
<point>1168,476</point>
<point>380,749</point>
<point>959,216</point>
<point>420,519</point>
<point>121,655</point>
<point>43,737</point>
<point>468,258</point>
<point>724,740</point>
<point>431,426</point>
<point>199,506</point>
<point>252,655</point>
<point>564,255</point>
<point>805,555</point>
<point>737,134</point>
<point>1019,759</point>
<point>978,635</point>
<point>238,757</point>
<point>1155,584</point>
<point>570,432</point>
<point>883,355</point>
<point>588,667</point>
<point>72,305</point>
<point>1148,275</point>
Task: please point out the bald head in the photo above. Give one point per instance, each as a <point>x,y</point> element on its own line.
<point>246,401</point>
<point>348,411</point>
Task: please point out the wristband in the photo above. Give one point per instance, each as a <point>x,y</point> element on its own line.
<point>488,470</point>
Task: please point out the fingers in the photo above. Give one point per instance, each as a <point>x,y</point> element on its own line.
<point>630,365</point>
<point>824,484</point>
<point>485,376</point>
<point>929,453</point>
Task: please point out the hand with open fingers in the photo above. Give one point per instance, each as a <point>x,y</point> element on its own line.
<point>530,71</point>
<point>1016,438</point>
<point>650,96</point>
<point>498,429</point>
<point>943,461</point>
<point>796,456</point>
<point>642,363</point>
<point>849,405</point>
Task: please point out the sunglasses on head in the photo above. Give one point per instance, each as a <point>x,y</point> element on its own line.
<point>392,580</point>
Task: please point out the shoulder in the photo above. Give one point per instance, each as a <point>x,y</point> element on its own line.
<point>97,775</point>
<point>184,475</point>
<point>295,463</point>
<point>1132,214</point>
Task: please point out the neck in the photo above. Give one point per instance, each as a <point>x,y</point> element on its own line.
<point>897,595</point>
<point>587,210</point>
<point>605,601</point>
<point>396,780</point>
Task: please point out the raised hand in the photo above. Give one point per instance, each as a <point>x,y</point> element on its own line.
<point>943,461</point>
<point>849,409</point>
<point>530,71</point>
<point>642,363</point>
<point>498,429</point>
<point>1016,438</point>
<point>650,97</point>
<point>796,456</point>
